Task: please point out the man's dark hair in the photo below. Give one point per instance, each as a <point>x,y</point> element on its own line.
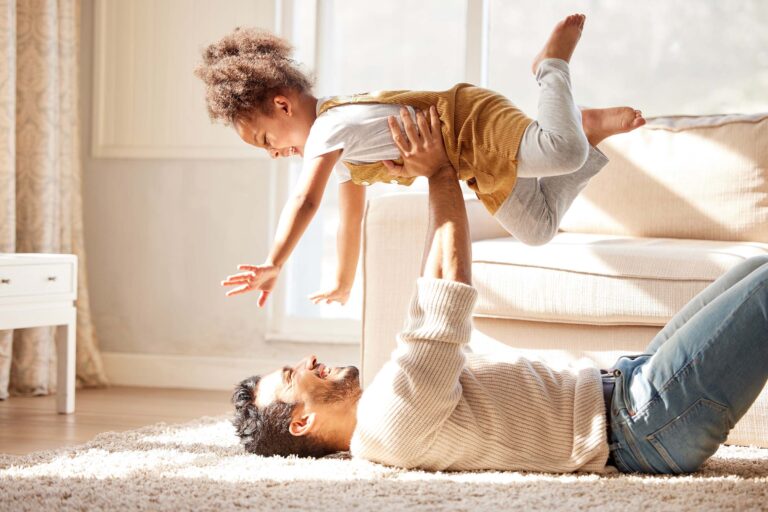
<point>264,430</point>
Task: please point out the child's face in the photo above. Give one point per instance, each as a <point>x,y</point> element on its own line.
<point>283,133</point>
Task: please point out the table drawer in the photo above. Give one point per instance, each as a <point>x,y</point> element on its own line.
<point>39,279</point>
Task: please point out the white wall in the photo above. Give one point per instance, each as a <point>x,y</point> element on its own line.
<point>160,236</point>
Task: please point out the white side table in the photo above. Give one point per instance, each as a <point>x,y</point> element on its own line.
<point>38,290</point>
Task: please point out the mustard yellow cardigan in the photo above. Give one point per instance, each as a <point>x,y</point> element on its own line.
<point>481,131</point>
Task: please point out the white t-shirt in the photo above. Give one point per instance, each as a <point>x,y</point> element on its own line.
<point>360,130</point>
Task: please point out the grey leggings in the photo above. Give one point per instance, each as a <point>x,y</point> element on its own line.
<point>555,161</point>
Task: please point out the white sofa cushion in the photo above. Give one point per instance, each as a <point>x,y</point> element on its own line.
<point>598,279</point>
<point>700,177</point>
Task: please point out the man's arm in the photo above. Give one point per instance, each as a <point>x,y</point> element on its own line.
<point>447,252</point>
<point>413,396</point>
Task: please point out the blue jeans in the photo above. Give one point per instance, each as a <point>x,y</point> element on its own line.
<point>674,405</point>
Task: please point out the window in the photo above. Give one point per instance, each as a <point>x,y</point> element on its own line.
<point>397,44</point>
<point>663,57</point>
<point>363,46</point>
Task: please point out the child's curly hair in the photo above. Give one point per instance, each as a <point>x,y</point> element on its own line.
<point>246,69</point>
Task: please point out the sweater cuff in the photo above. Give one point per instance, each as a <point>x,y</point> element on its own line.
<point>440,310</point>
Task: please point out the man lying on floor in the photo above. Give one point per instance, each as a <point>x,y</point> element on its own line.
<point>436,407</point>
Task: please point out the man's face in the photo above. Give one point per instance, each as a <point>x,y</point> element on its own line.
<point>318,387</point>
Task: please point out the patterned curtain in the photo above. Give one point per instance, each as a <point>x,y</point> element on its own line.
<point>40,176</point>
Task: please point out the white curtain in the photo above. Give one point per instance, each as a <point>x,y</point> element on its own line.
<point>40,176</point>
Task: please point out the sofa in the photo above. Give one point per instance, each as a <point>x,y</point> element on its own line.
<point>682,200</point>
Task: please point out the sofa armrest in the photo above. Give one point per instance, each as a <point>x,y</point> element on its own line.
<point>394,232</point>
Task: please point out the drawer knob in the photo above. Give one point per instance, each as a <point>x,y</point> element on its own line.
<point>51,278</point>
<point>5,280</point>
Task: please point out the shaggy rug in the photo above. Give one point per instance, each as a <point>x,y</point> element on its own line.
<point>200,466</point>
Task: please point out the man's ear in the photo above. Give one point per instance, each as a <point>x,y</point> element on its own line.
<point>283,104</point>
<point>303,425</point>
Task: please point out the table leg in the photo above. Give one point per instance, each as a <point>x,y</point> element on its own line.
<point>65,354</point>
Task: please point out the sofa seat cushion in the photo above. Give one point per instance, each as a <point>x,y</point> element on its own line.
<point>598,279</point>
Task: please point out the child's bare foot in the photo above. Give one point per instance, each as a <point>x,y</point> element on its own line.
<point>563,40</point>
<point>600,123</point>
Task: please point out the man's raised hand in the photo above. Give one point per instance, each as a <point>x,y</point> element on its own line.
<point>421,146</point>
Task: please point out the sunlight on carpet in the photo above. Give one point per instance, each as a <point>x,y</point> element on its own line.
<point>201,465</point>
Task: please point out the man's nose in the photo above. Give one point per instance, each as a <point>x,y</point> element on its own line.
<point>310,362</point>
<point>273,153</point>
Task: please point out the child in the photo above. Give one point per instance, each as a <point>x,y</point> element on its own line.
<point>525,172</point>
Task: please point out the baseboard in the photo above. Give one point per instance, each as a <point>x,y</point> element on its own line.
<point>177,371</point>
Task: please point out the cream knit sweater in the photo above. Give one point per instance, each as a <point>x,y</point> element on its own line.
<point>434,406</point>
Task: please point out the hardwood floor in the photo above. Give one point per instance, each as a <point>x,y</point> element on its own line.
<point>29,424</point>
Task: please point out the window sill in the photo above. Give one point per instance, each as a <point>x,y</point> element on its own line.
<point>312,339</point>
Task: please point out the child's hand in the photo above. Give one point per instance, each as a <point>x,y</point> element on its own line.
<point>337,294</point>
<point>255,277</point>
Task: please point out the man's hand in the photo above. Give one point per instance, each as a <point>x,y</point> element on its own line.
<point>255,277</point>
<point>336,294</point>
<point>422,149</point>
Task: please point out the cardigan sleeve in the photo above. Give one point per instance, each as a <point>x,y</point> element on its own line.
<point>418,389</point>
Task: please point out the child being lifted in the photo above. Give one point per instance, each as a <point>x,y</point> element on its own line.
<point>526,172</point>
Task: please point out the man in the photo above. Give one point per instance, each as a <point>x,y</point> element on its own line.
<point>436,407</point>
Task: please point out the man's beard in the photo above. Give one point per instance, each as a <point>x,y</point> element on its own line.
<point>343,390</point>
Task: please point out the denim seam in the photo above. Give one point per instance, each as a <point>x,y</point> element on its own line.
<point>659,446</point>
<point>664,454</point>
<point>634,449</point>
<point>674,379</point>
<point>620,462</point>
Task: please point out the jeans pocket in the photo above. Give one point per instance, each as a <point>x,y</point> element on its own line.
<point>688,440</point>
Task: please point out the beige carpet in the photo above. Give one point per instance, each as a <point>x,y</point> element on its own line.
<point>200,466</point>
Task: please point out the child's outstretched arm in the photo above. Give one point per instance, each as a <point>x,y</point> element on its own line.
<point>294,219</point>
<point>351,209</point>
